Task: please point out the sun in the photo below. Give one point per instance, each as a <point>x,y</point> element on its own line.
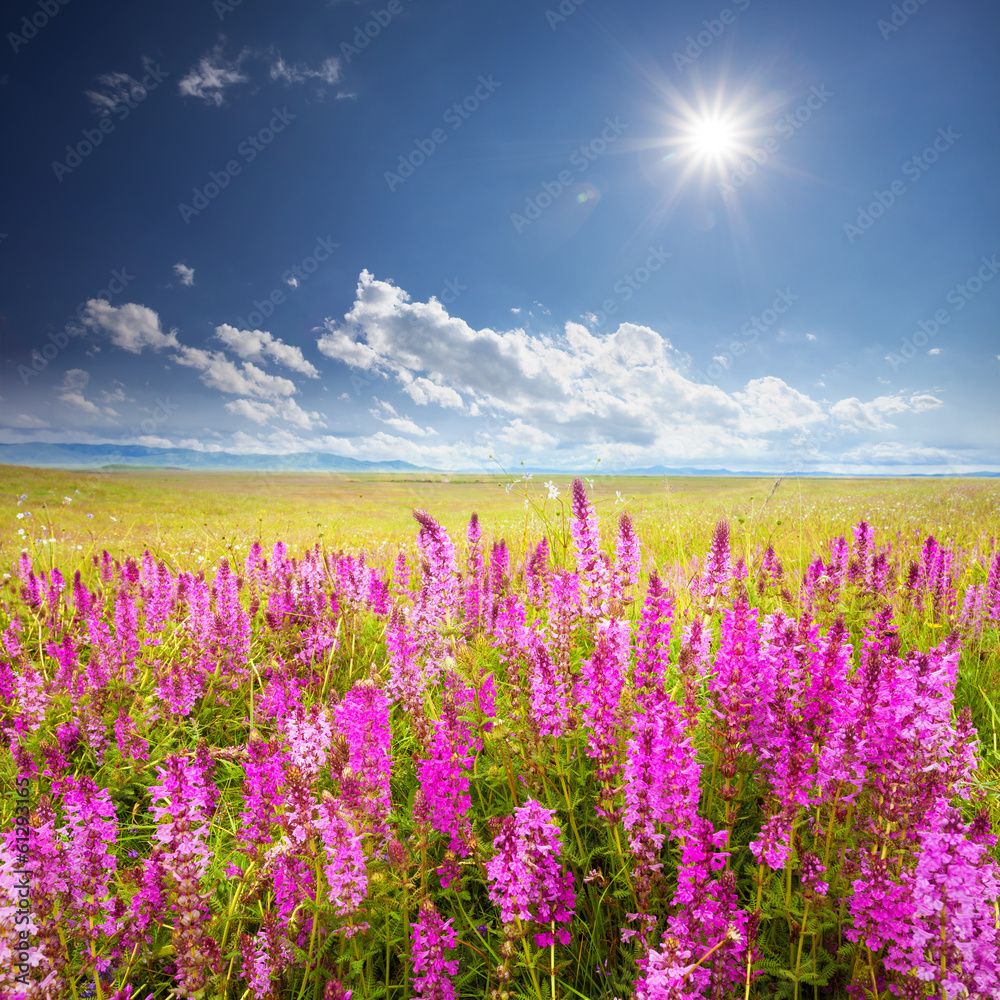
<point>706,135</point>
<point>713,138</point>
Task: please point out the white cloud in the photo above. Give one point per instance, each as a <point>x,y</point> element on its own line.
<point>29,420</point>
<point>71,392</point>
<point>186,274</point>
<point>628,386</point>
<point>423,391</point>
<point>284,409</point>
<point>328,72</point>
<point>882,453</point>
<point>627,396</point>
<point>921,402</point>
<point>116,89</point>
<point>934,350</point>
<point>257,344</point>
<point>721,359</point>
<point>402,425</point>
<point>854,415</point>
<point>218,372</point>
<point>130,326</point>
<point>769,406</point>
<point>522,435</point>
<point>212,75</point>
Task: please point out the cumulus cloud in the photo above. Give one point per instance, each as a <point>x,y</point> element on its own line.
<point>261,412</point>
<point>185,273</point>
<point>771,406</point>
<point>212,76</point>
<point>402,425</point>
<point>629,393</point>
<point>218,372</point>
<point>258,344</point>
<point>855,415</point>
<point>71,392</point>
<point>423,391</point>
<point>131,327</point>
<point>629,386</point>
<point>265,397</point>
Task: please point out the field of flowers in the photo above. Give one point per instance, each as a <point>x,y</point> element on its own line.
<point>560,767</point>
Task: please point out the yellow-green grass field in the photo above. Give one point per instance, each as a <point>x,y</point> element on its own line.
<point>182,515</point>
<point>192,519</point>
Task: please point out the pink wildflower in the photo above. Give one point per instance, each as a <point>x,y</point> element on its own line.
<point>526,880</point>
<point>432,936</point>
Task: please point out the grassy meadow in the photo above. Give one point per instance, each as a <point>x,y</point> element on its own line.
<point>164,705</point>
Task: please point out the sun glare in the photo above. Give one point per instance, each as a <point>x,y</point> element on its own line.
<point>707,135</point>
<point>713,138</point>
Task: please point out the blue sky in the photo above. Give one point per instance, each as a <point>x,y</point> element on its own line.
<point>747,235</point>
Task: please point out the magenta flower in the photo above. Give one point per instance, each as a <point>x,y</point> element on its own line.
<point>264,957</point>
<point>443,773</point>
<point>346,875</point>
<point>189,798</point>
<point>593,566</point>
<point>363,720</point>
<point>432,937</point>
<point>627,553</point>
<point>265,775</point>
<point>715,580</point>
<point>549,708</point>
<point>526,880</point>
<point>537,573</point>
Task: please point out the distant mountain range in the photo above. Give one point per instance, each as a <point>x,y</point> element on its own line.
<point>96,456</point>
<point>105,456</point>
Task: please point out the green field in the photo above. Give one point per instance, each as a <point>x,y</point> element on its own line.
<point>177,514</point>
<point>289,652</point>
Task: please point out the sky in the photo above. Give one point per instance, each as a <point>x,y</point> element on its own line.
<point>577,234</point>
